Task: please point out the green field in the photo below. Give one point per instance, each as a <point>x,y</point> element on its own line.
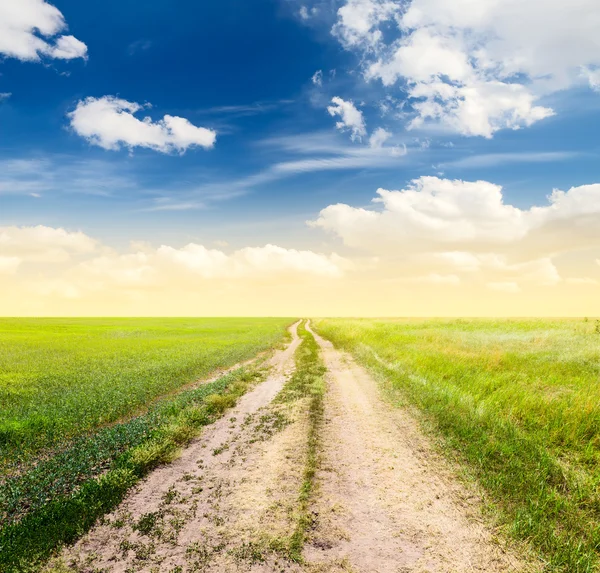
<point>517,402</point>
<point>60,378</point>
<point>88,406</point>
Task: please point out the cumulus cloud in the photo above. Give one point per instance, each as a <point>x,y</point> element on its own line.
<point>43,244</point>
<point>270,259</point>
<point>351,118</point>
<point>431,212</point>
<point>475,66</point>
<point>449,227</point>
<point>29,31</point>
<point>110,123</point>
<point>358,22</point>
<point>70,265</point>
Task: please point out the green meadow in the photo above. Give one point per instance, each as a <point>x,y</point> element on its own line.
<point>89,406</point>
<point>516,403</point>
<point>61,378</point>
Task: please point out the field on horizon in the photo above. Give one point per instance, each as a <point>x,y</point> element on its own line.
<point>516,402</point>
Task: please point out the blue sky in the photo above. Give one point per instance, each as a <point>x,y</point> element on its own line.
<point>264,78</point>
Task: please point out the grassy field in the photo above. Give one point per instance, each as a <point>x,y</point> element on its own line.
<point>518,402</point>
<point>62,378</point>
<point>64,382</point>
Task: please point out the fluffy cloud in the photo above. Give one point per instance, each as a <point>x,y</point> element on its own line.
<point>449,227</point>
<point>350,117</point>
<point>110,123</point>
<point>378,138</point>
<point>270,259</point>
<point>61,264</point>
<point>432,212</point>
<point>42,244</point>
<point>358,22</point>
<point>29,29</point>
<point>473,65</point>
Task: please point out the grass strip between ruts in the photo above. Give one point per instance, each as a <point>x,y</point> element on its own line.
<point>307,381</point>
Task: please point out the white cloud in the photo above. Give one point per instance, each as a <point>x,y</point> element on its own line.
<point>432,212</point>
<point>317,78</point>
<point>358,22</point>
<point>351,118</point>
<point>29,30</point>
<point>475,66</point>
<point>541,271</point>
<point>4,96</point>
<point>306,14</point>
<point>593,77</point>
<point>213,263</point>
<point>55,263</point>
<point>443,227</point>
<point>43,244</point>
<point>68,48</point>
<point>110,122</point>
<point>379,137</point>
<point>509,287</point>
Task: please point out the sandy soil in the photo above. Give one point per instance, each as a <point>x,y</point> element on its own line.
<point>387,502</point>
<point>384,500</point>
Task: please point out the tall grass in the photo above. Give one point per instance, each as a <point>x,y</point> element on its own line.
<point>61,378</point>
<point>518,401</point>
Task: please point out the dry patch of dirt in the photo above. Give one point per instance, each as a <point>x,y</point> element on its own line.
<point>387,502</point>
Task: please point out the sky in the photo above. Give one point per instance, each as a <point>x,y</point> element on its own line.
<point>300,157</point>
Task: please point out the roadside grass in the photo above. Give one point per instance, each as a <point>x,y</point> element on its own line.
<point>61,498</point>
<point>306,383</point>
<point>64,378</point>
<point>518,402</point>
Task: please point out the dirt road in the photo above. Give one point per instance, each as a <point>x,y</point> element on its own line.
<point>384,501</point>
